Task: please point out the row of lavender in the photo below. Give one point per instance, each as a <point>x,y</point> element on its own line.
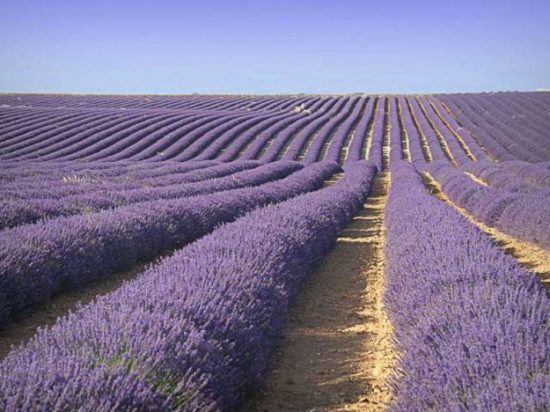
<point>216,135</point>
<point>523,215</point>
<point>513,175</point>
<point>42,259</point>
<point>28,205</point>
<point>425,128</point>
<point>133,135</point>
<point>26,199</point>
<point>470,323</point>
<point>409,148</point>
<point>435,138</point>
<point>421,130</point>
<point>194,332</point>
<point>27,136</point>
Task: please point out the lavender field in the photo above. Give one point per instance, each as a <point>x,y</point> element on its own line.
<point>275,253</point>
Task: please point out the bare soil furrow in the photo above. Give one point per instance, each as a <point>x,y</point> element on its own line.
<point>476,179</point>
<point>530,256</point>
<point>338,350</point>
<point>405,146</point>
<point>370,130</point>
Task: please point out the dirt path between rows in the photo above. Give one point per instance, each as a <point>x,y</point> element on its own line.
<point>338,349</point>
<point>532,257</point>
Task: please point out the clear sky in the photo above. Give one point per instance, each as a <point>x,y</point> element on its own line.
<point>322,46</point>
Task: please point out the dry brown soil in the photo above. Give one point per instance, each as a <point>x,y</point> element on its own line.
<point>529,255</point>
<point>338,349</point>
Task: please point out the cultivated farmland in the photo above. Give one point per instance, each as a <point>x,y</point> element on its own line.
<point>275,253</point>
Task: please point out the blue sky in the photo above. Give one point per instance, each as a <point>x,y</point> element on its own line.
<point>280,46</point>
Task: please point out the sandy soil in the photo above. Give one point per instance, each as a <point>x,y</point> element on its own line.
<point>368,139</point>
<point>476,179</point>
<point>405,145</point>
<point>335,177</point>
<point>532,257</point>
<point>338,348</point>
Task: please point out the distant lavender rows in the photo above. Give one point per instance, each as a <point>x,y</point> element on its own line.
<point>510,125</point>
<point>514,195</point>
<point>286,131</point>
<point>502,126</point>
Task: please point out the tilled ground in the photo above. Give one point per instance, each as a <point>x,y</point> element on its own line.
<point>338,348</point>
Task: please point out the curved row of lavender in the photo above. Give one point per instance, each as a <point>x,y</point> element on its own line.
<point>28,200</point>
<point>434,132</point>
<point>117,179</point>
<point>136,135</point>
<point>523,215</point>
<point>30,206</point>
<point>421,132</point>
<point>194,332</point>
<point>517,194</point>
<point>40,260</point>
<point>58,182</point>
<point>470,323</point>
<point>509,126</point>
